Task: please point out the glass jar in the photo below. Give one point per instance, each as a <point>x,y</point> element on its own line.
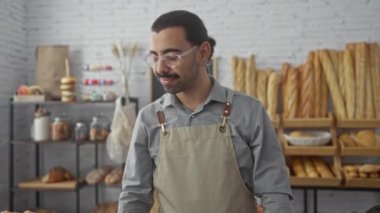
<point>60,129</point>
<point>81,132</point>
<point>99,128</point>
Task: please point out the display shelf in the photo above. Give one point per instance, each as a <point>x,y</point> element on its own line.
<point>322,182</point>
<point>359,151</point>
<point>308,122</point>
<point>325,150</point>
<point>371,183</point>
<point>37,184</point>
<point>358,123</point>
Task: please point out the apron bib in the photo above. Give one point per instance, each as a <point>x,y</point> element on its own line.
<point>198,172</point>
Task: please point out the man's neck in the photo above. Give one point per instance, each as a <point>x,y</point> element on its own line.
<point>193,98</point>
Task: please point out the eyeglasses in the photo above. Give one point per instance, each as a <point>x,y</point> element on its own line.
<point>171,59</point>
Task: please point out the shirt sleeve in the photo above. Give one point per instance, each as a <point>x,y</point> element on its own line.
<point>137,184</point>
<point>270,176</point>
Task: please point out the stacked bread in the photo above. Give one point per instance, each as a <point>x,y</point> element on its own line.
<point>362,171</point>
<point>262,84</point>
<point>67,87</point>
<point>362,138</point>
<point>311,167</point>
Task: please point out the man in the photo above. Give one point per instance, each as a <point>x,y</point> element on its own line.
<point>203,147</point>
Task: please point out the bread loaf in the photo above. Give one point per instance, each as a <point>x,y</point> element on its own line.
<point>307,89</point>
<point>334,57</point>
<point>332,82</point>
<point>240,75</point>
<point>297,167</point>
<point>361,56</point>
<point>311,172</point>
<point>262,88</point>
<point>365,138</point>
<point>317,86</point>
<point>250,76</point>
<point>341,78</point>
<point>375,76</point>
<point>57,174</point>
<point>273,86</point>
<point>96,176</point>
<point>369,168</point>
<point>324,96</point>
<point>114,177</point>
<point>292,93</point>
<point>322,168</point>
<point>234,66</point>
<point>347,140</point>
<point>350,87</point>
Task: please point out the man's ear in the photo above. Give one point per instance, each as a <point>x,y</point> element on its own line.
<point>204,53</point>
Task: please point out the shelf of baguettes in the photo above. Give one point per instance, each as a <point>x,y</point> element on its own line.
<point>37,184</point>
<point>323,150</point>
<point>358,123</point>
<point>362,176</point>
<point>313,171</point>
<point>308,122</point>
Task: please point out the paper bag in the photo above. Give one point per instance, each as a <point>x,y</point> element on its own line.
<point>50,68</point>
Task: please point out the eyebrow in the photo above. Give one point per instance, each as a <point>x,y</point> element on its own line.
<point>165,51</point>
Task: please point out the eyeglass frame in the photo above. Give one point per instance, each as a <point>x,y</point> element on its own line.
<point>162,57</point>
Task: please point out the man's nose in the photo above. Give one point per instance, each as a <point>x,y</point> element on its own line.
<point>161,66</point>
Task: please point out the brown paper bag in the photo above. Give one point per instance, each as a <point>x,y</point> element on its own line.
<point>50,68</point>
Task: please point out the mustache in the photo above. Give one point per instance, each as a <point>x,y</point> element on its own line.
<point>166,75</point>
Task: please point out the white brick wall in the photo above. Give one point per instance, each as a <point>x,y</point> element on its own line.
<point>275,31</point>
<point>12,73</point>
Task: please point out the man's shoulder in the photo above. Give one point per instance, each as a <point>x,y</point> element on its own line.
<point>244,99</point>
<point>151,108</point>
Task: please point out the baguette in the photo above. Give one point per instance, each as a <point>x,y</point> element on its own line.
<point>272,97</point>
<point>349,79</point>
<point>284,79</point>
<point>292,93</point>
<point>317,86</point>
<point>333,85</point>
<point>311,172</point>
<point>250,76</point>
<point>375,76</point>
<point>307,89</point>
<point>334,57</point>
<point>262,88</point>
<point>322,168</point>
<point>361,55</point>
<point>298,168</point>
<point>341,79</point>
<point>234,66</point>
<point>240,76</point>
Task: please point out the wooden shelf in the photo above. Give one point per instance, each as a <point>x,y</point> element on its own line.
<point>359,151</point>
<point>309,122</point>
<point>370,183</point>
<point>37,184</point>
<point>358,123</point>
<point>326,150</point>
<point>322,182</point>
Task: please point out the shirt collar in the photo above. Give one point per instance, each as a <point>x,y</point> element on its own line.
<point>217,93</point>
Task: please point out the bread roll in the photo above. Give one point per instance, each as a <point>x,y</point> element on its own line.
<point>250,76</point>
<point>365,138</point>
<point>96,176</point>
<point>352,174</point>
<point>375,75</point>
<point>317,86</point>
<point>114,177</point>
<point>262,88</point>
<point>307,89</point>
<point>350,168</point>
<point>292,93</point>
<point>57,174</point>
<point>350,87</point>
<point>311,172</point>
<point>361,57</point>
<point>273,86</point>
<point>347,140</point>
<point>322,168</point>
<point>369,168</point>
<point>297,167</point>
<point>332,82</point>
<point>300,134</point>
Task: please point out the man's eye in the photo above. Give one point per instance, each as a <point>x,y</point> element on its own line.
<point>171,57</point>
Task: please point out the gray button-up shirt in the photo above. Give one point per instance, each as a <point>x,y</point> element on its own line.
<point>258,152</point>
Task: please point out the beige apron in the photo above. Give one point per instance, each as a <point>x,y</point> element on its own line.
<point>198,172</point>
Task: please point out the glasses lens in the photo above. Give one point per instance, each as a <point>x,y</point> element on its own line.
<point>171,60</point>
<point>151,60</point>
